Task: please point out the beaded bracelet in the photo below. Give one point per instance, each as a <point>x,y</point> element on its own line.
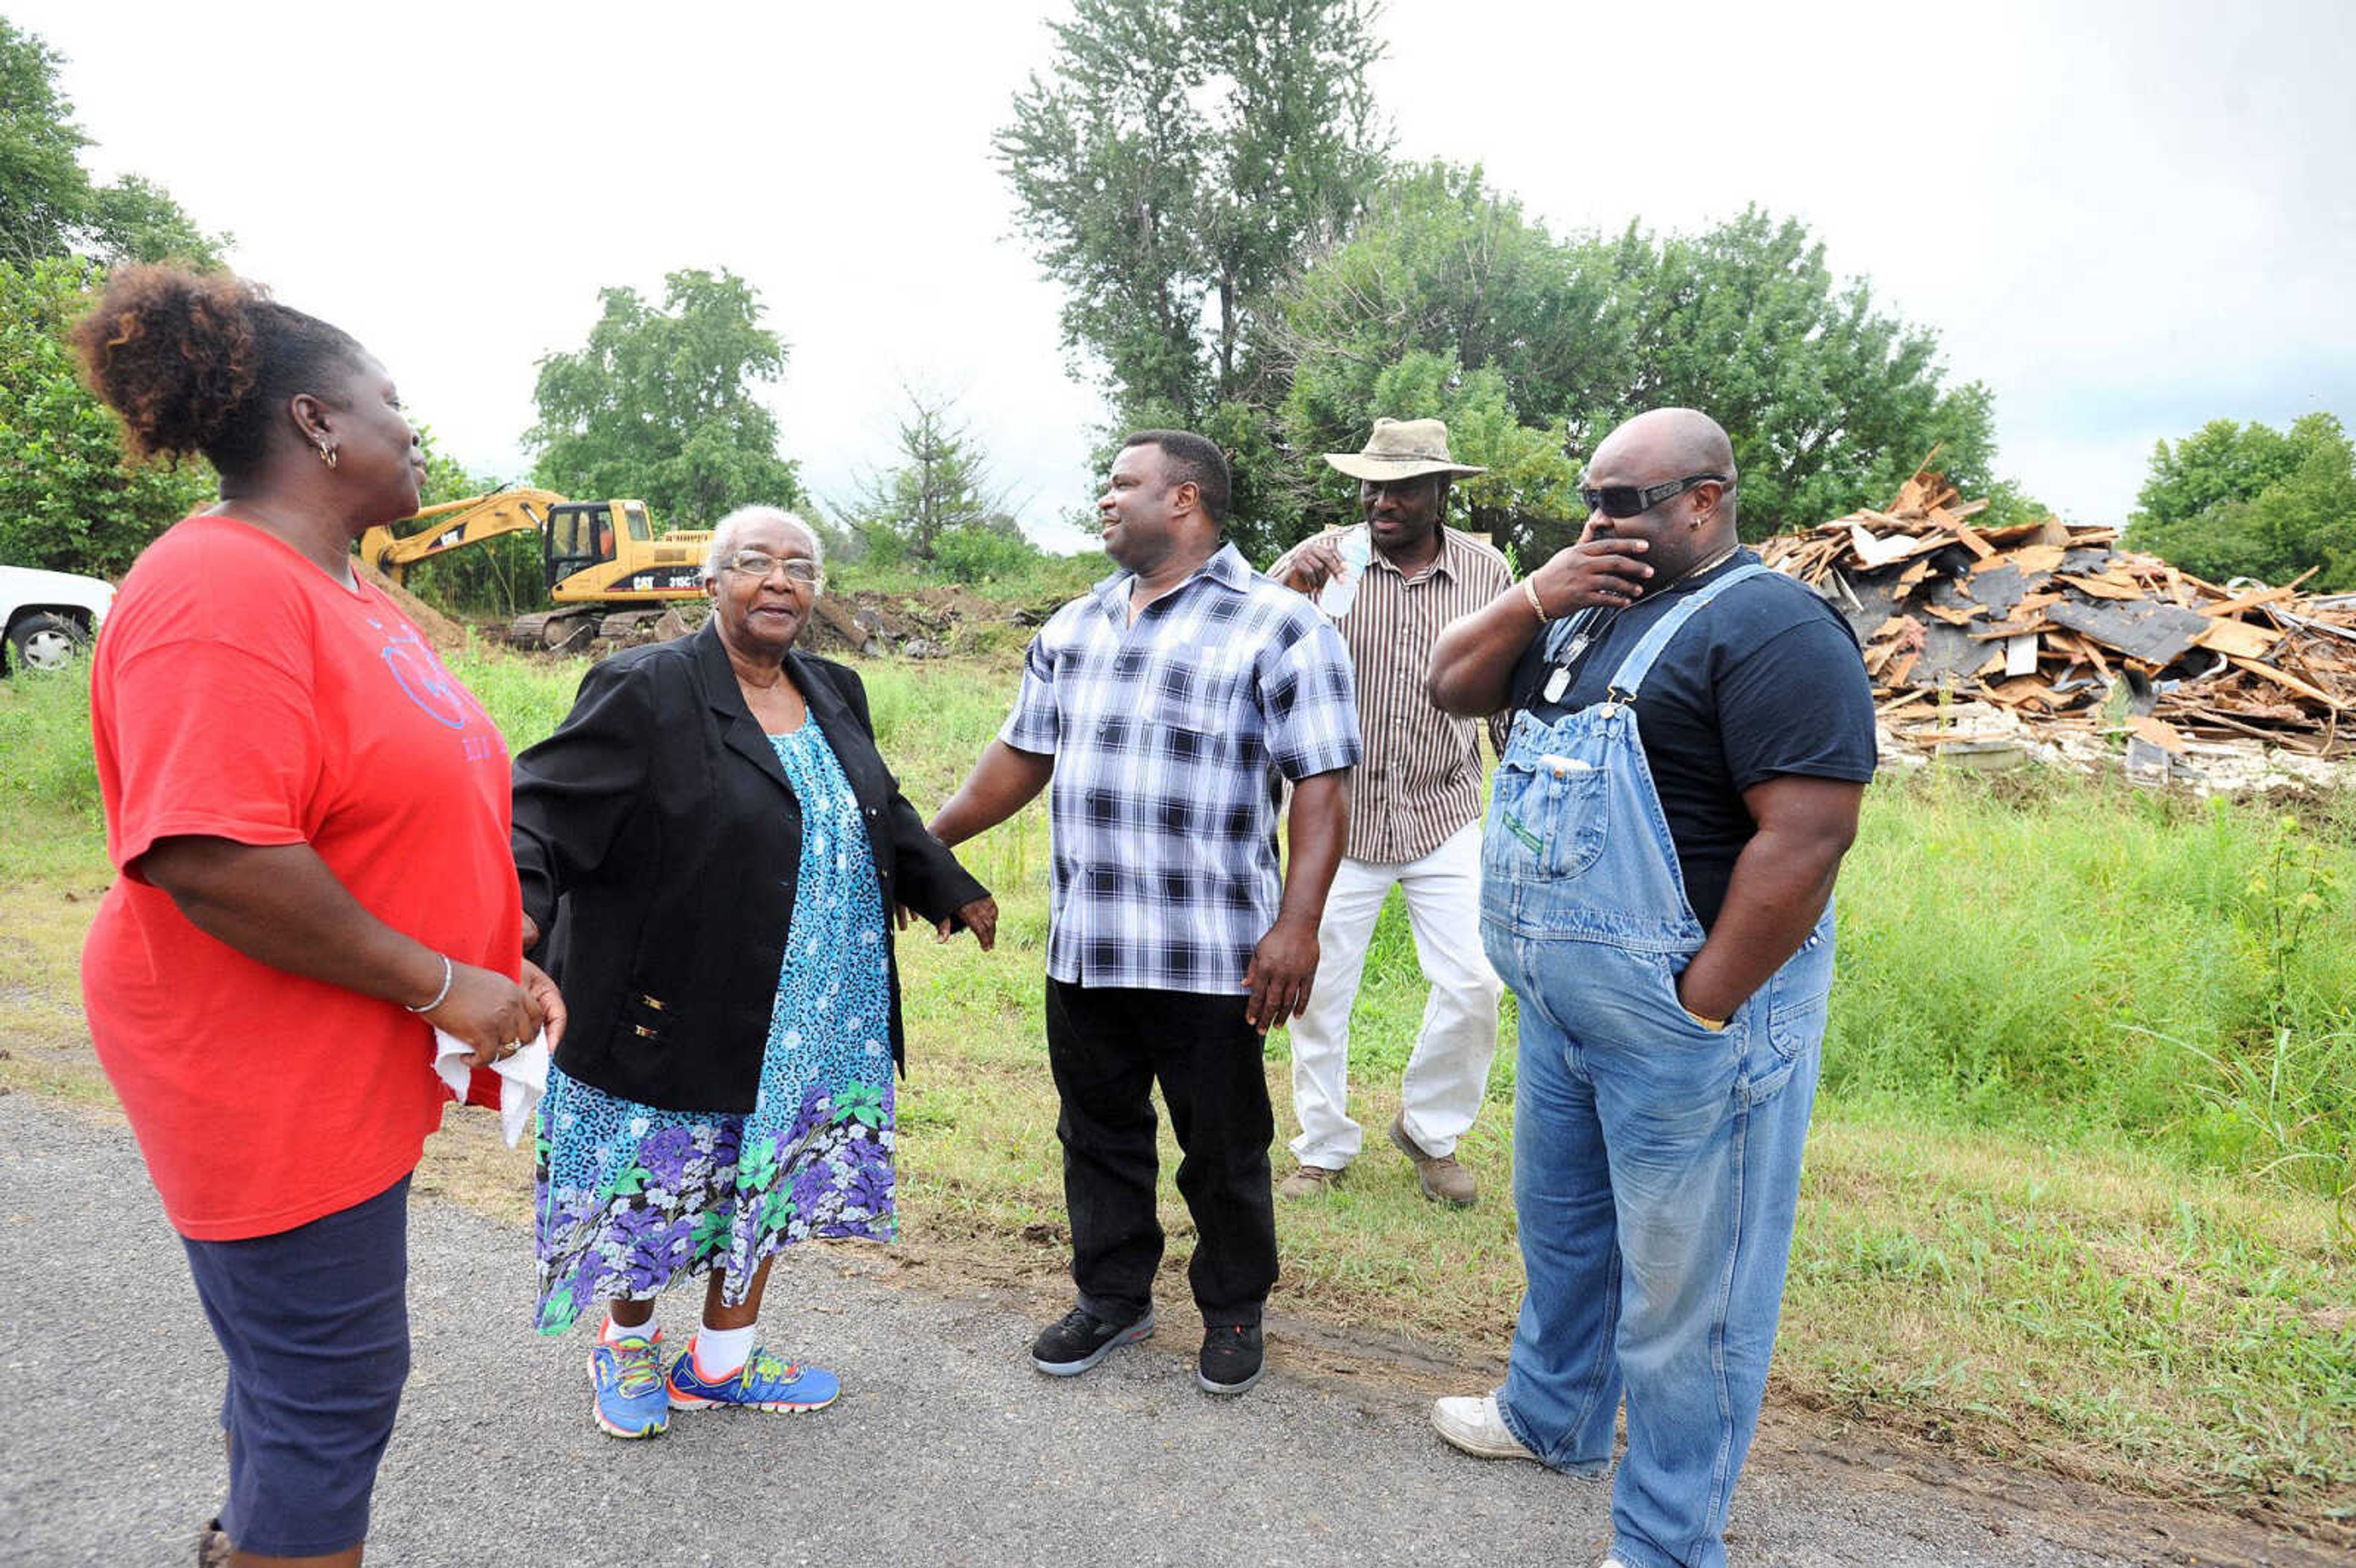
<point>449,972</point>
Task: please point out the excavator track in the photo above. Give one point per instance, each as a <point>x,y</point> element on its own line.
<point>557,631</point>
<point>625,625</point>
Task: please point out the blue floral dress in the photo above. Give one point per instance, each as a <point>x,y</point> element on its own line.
<point>630,1197</point>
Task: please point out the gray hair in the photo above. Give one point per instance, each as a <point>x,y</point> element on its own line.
<point>725,531</point>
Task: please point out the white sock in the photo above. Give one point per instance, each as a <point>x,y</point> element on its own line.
<point>721,1352</point>
<point>613,1332</point>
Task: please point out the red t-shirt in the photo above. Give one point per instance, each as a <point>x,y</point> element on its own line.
<point>243,693</point>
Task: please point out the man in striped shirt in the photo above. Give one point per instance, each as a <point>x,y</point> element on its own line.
<point>1390,585</point>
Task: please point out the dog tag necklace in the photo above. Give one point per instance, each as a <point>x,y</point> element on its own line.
<point>1591,624</point>
<point>1594,621</point>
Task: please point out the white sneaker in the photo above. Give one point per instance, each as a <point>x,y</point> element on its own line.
<point>1473,1426</point>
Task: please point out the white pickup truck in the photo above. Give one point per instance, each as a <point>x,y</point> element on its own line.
<point>50,617</point>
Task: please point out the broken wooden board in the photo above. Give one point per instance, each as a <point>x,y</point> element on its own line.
<point>2231,637</point>
<point>1886,551</point>
<point>2034,559</point>
<point>2247,601</point>
<point>2113,585</point>
<point>2286,679</point>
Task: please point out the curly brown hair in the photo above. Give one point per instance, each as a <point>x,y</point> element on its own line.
<point>195,362</point>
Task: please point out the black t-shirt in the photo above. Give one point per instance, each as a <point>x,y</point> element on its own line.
<point>1766,680</point>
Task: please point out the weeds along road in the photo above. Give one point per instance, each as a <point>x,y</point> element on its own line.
<point>946,1448</point>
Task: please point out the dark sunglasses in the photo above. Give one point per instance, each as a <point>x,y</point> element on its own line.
<point>1628,501</point>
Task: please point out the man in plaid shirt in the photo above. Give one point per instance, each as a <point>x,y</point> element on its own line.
<point>1166,706</point>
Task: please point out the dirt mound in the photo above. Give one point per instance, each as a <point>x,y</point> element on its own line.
<point>929,622</point>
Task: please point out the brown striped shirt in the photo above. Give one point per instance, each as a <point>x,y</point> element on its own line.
<point>1421,779</point>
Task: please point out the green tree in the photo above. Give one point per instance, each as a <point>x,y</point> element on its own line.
<point>942,483</point>
<point>1171,169</point>
<point>43,190</point>
<point>2220,462</point>
<point>48,205</point>
<point>2236,500</point>
<point>1830,401</point>
<point>1442,264</point>
<point>68,499</point>
<point>135,220</point>
<point>660,405</point>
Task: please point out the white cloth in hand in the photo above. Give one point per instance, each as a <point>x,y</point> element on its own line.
<point>524,1078</point>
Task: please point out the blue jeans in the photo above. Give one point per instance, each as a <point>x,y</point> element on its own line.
<point>1656,1168</point>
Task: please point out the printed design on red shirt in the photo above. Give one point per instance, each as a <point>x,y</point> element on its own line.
<point>423,679</point>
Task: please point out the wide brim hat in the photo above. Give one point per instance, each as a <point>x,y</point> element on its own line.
<point>1402,449</point>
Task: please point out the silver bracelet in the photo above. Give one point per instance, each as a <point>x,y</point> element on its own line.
<point>449,972</point>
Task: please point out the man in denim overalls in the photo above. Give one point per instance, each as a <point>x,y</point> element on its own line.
<point>1688,758</point>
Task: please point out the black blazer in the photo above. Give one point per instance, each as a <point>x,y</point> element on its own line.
<point>659,820</point>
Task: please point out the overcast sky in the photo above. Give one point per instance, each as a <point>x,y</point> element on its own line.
<point>2127,218</point>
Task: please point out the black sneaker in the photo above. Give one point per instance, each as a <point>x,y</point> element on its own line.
<point>1068,1348</point>
<point>1230,1361</point>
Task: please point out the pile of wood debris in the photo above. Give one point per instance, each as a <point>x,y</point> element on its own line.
<point>2043,628</point>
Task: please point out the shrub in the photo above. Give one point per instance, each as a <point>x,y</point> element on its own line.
<point>977,554</point>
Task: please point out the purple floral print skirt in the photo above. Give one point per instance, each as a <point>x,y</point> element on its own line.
<point>630,1197</point>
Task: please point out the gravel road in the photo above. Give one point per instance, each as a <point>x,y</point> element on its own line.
<point>946,1448</point>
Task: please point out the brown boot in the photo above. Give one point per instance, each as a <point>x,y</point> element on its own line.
<point>1309,1181</point>
<point>1442,1179</point>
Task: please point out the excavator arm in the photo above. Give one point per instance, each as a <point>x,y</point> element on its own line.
<point>394,548</point>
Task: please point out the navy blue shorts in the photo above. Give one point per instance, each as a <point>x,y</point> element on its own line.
<point>315,1322</point>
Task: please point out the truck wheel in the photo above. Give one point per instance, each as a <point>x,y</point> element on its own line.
<point>39,640</point>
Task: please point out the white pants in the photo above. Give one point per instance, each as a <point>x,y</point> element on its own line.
<point>1450,1067</point>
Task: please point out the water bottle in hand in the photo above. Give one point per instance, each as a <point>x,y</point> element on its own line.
<point>1341,590</point>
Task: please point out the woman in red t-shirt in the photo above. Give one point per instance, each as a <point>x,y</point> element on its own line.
<point>310,817</point>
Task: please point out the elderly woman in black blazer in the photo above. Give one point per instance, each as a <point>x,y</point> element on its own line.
<point>727,851</point>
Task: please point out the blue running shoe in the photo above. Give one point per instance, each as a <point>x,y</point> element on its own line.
<point>765,1383</point>
<point>631,1399</point>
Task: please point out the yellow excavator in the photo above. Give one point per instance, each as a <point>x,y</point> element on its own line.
<point>608,572</point>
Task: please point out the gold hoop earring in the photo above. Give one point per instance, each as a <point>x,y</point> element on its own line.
<point>326,454</point>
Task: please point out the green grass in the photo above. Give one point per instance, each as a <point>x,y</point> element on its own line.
<point>53,871</point>
<point>2064,957</point>
<point>2079,1188</point>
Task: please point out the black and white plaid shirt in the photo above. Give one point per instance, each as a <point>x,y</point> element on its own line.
<point>1169,735</point>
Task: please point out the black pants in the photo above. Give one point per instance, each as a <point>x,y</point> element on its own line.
<point>1106,1047</point>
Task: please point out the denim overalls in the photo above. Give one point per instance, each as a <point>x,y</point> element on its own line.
<point>1657,1163</point>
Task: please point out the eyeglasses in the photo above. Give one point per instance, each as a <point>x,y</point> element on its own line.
<point>1629,501</point>
<point>760,564</point>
